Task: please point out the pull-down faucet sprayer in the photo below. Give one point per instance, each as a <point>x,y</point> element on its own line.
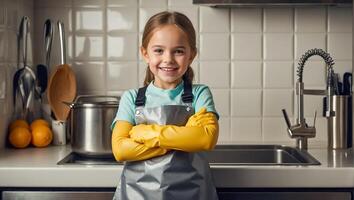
<point>301,131</point>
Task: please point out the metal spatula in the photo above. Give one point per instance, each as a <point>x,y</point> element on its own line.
<point>42,70</point>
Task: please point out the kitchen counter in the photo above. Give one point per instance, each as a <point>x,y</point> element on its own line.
<point>37,167</point>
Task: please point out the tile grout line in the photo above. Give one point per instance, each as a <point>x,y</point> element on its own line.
<point>263,73</point>
<point>105,41</point>
<point>230,75</point>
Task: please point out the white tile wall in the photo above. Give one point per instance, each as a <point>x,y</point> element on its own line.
<point>214,20</point>
<point>214,46</point>
<point>117,78</point>
<point>278,20</point>
<point>224,130</point>
<point>246,103</point>
<point>246,74</point>
<point>278,46</point>
<point>180,3</point>
<point>246,46</point>
<point>278,74</point>
<point>152,3</point>
<point>215,74</point>
<point>222,101</point>
<point>89,47</point>
<point>342,15</point>
<point>306,41</point>
<point>340,45</point>
<point>313,19</point>
<point>122,3</point>
<point>122,46</point>
<point>246,20</point>
<point>274,100</point>
<point>274,130</point>
<point>246,129</point>
<point>89,19</point>
<point>248,56</point>
<point>89,3</point>
<point>122,19</point>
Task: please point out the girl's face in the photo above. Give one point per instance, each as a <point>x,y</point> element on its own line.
<point>168,55</point>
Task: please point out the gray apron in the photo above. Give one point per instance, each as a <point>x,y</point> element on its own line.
<point>176,175</point>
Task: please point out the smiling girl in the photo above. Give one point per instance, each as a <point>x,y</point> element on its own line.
<point>156,130</point>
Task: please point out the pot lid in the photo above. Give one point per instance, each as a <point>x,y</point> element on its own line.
<point>95,101</point>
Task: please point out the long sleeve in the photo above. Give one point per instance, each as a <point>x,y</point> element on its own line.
<point>126,149</point>
<point>184,138</point>
<point>190,138</point>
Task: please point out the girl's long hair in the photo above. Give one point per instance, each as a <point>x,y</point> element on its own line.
<point>168,18</point>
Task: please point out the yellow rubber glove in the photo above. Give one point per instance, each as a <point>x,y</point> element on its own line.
<point>200,133</point>
<point>200,118</point>
<point>142,132</point>
<point>125,149</point>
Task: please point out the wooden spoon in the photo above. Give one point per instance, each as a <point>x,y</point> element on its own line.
<point>62,83</point>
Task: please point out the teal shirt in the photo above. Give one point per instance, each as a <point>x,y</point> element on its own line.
<point>158,97</point>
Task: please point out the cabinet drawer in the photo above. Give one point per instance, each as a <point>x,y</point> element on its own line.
<point>284,195</point>
<point>50,195</point>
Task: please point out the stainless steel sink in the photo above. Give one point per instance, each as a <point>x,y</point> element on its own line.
<point>259,155</point>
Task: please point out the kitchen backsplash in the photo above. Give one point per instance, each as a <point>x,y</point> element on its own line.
<point>11,12</point>
<point>248,56</point>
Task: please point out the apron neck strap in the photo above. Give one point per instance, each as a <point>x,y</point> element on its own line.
<point>140,99</point>
<point>187,96</point>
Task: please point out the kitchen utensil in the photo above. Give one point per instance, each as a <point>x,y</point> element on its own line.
<point>347,90</point>
<point>27,77</point>
<point>15,81</point>
<point>42,74</point>
<point>347,83</point>
<point>90,120</point>
<point>62,83</point>
<point>27,81</point>
<point>338,124</point>
<point>26,74</point>
<point>18,72</point>
<point>42,70</point>
<point>335,79</point>
<point>339,85</point>
<point>340,88</point>
<point>59,132</point>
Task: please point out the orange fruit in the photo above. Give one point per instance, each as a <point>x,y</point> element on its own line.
<point>42,136</point>
<point>39,122</point>
<point>20,137</point>
<point>18,123</point>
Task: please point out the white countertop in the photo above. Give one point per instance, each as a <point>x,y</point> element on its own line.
<point>37,167</point>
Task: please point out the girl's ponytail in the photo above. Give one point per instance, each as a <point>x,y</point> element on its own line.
<point>189,75</point>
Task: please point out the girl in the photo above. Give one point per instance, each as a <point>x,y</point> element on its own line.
<point>156,131</point>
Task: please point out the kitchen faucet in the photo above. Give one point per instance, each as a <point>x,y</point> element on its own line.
<point>301,131</point>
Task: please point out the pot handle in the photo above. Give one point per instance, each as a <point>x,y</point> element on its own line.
<point>79,97</point>
<point>70,104</point>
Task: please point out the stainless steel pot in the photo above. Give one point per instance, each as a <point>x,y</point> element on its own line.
<point>90,120</point>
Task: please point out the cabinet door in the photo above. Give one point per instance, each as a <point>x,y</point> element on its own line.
<point>284,195</point>
<point>50,195</point>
